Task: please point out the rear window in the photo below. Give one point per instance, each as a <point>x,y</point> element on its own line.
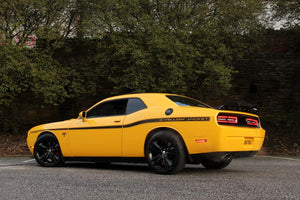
<point>185,101</point>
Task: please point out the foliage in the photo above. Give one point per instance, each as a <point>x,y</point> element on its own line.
<point>287,12</point>
<point>22,18</point>
<point>28,78</point>
<point>177,46</point>
<point>98,48</point>
<point>14,74</point>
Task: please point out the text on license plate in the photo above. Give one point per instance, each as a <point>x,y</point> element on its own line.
<point>248,141</point>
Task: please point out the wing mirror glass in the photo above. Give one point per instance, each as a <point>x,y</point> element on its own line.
<point>82,115</point>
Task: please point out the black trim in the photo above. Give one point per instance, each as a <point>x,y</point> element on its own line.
<point>174,119</point>
<point>107,159</point>
<point>197,158</point>
<point>96,127</point>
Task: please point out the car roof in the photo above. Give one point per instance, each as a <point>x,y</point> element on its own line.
<point>150,99</point>
<point>153,99</point>
<point>132,95</point>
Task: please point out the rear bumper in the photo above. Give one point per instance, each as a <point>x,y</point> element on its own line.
<point>226,139</point>
<point>197,158</point>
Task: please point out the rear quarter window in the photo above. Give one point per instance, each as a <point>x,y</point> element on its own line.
<point>134,105</point>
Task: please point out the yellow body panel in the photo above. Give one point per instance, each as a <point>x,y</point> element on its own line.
<point>125,136</point>
<point>96,142</point>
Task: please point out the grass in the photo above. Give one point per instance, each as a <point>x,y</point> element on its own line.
<point>13,145</point>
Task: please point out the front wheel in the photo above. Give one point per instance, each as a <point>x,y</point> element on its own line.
<point>165,153</point>
<point>47,151</point>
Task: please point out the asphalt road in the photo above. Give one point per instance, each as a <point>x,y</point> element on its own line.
<point>251,178</point>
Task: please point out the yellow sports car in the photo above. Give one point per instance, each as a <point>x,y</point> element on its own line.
<point>165,130</point>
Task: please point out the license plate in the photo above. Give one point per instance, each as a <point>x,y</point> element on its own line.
<point>248,141</point>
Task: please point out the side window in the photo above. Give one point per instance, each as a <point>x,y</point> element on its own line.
<point>109,108</point>
<point>134,105</point>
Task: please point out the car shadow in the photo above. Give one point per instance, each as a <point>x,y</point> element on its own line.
<point>143,167</point>
<point>196,169</point>
<point>110,166</point>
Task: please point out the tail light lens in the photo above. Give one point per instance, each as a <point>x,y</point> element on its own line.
<point>252,122</point>
<point>227,119</point>
<point>241,120</point>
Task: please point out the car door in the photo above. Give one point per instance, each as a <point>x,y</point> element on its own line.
<point>135,128</point>
<point>100,135</point>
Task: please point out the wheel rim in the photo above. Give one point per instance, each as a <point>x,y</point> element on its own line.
<point>48,151</point>
<point>163,154</point>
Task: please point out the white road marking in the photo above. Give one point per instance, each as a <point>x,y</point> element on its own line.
<point>26,161</point>
<point>18,167</point>
<point>282,158</point>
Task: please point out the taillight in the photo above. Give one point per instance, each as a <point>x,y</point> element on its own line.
<point>252,122</point>
<point>227,119</point>
<point>235,119</point>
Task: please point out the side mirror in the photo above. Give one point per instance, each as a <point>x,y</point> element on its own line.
<point>82,115</point>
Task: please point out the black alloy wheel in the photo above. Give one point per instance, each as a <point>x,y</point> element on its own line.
<point>165,153</point>
<point>47,151</point>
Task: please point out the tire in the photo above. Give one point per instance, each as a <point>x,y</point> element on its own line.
<point>47,151</point>
<point>165,153</point>
<point>217,163</point>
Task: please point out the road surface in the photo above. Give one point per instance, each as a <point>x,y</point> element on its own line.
<point>260,177</point>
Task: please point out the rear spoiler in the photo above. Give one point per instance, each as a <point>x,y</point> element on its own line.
<point>236,106</point>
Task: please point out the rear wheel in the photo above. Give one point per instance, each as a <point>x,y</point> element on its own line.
<point>217,163</point>
<point>47,151</point>
<point>165,153</point>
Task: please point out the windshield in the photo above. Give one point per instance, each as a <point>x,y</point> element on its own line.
<point>185,101</point>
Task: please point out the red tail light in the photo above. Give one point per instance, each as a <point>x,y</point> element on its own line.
<point>236,119</point>
<point>227,119</point>
<point>252,122</point>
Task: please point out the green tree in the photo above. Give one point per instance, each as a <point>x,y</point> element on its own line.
<point>288,10</point>
<point>29,79</point>
<point>14,73</point>
<point>176,46</point>
<point>92,47</point>
<point>41,18</point>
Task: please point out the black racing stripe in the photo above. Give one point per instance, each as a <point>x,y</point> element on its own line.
<point>95,127</point>
<point>175,119</point>
<point>141,122</point>
<point>54,129</point>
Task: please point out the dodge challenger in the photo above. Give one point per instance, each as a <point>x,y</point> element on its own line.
<point>165,130</point>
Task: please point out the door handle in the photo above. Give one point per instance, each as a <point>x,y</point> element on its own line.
<point>117,121</point>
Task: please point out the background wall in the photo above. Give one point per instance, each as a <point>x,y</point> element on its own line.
<point>271,80</point>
